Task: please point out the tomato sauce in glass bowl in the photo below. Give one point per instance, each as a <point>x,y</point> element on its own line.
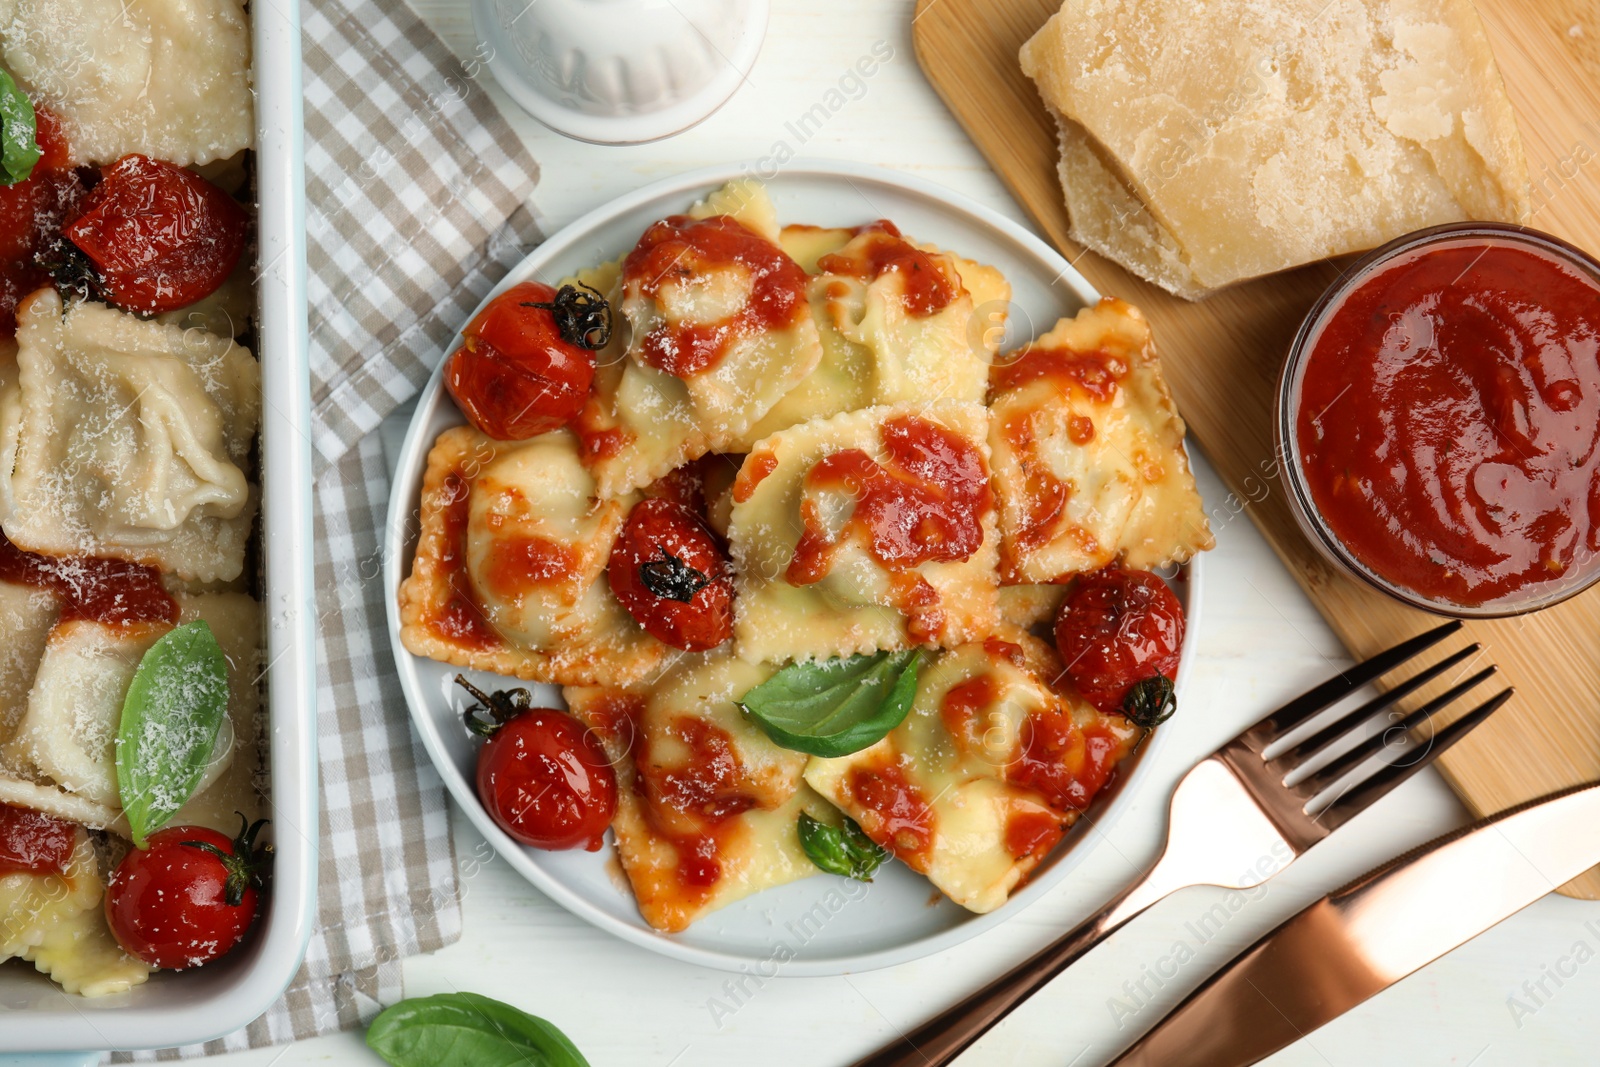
<point>1439,420</point>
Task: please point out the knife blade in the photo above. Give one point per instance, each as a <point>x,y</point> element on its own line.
<point>1364,937</point>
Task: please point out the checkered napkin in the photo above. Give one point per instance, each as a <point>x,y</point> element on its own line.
<point>416,206</point>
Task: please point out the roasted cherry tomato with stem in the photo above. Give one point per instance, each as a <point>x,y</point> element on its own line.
<point>542,776</point>
<point>1120,633</point>
<point>526,361</point>
<point>189,896</point>
<point>158,236</point>
<point>672,575</point>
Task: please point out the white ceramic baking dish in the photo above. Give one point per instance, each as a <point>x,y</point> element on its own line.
<point>39,1025</point>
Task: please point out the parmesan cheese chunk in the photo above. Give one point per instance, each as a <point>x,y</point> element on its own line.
<point>1206,144</point>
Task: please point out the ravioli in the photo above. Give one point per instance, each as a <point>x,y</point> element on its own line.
<point>67,738</point>
<point>1088,453</point>
<point>637,419</point>
<point>69,733</point>
<point>51,799</point>
<point>34,903</point>
<point>166,78</point>
<point>718,331</point>
<point>81,956</point>
<point>896,321</point>
<point>991,298</point>
<point>870,530</point>
<point>1027,606</point>
<point>983,777</point>
<point>842,379</point>
<point>128,439</point>
<point>27,616</point>
<point>908,306</point>
<point>807,244</point>
<point>708,807</point>
<point>746,201</point>
<point>509,574</point>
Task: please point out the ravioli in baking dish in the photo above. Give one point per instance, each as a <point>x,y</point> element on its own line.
<point>70,729</point>
<point>509,574</point>
<point>52,919</point>
<point>719,330</point>
<point>27,615</point>
<point>32,903</point>
<point>870,530</point>
<point>165,78</point>
<point>983,777</point>
<point>129,411</point>
<point>67,735</point>
<point>126,438</point>
<point>1088,453</point>
<point>81,956</point>
<point>707,806</point>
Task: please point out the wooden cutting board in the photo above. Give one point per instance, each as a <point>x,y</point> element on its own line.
<point>1222,358</point>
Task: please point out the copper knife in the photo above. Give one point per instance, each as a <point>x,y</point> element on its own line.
<point>1386,924</point>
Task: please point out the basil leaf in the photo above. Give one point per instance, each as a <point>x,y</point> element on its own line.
<point>169,725</point>
<point>838,706</point>
<point>843,850</point>
<point>468,1030</point>
<point>19,131</point>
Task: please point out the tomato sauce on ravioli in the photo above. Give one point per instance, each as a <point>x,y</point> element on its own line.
<point>110,591</point>
<point>682,249</point>
<point>924,504</point>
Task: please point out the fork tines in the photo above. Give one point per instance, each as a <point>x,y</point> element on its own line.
<point>1283,721</point>
<point>1360,795</point>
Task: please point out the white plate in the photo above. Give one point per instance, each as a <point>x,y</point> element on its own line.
<point>822,925</point>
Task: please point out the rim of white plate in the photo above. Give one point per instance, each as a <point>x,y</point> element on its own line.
<point>679,191</point>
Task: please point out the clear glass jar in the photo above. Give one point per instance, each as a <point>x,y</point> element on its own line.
<point>1584,569</point>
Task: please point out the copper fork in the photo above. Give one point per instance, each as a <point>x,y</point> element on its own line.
<point>1231,812</point>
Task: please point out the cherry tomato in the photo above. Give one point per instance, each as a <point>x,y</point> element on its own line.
<point>686,485</point>
<point>544,780</point>
<point>672,575</point>
<point>187,898</point>
<point>159,236</point>
<point>517,374</point>
<point>31,214</point>
<point>1116,630</point>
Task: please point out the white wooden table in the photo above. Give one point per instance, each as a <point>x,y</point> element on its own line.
<point>1260,642</point>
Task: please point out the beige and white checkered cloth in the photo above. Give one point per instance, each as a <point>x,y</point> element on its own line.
<point>416,205</point>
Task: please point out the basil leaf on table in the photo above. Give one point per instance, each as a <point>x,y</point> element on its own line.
<point>838,706</point>
<point>843,850</point>
<point>170,719</point>
<point>19,132</point>
<point>468,1030</point>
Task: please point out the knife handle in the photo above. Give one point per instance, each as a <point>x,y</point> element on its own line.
<point>950,1033</point>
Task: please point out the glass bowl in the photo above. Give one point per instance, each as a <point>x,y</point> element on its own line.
<point>1584,569</point>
